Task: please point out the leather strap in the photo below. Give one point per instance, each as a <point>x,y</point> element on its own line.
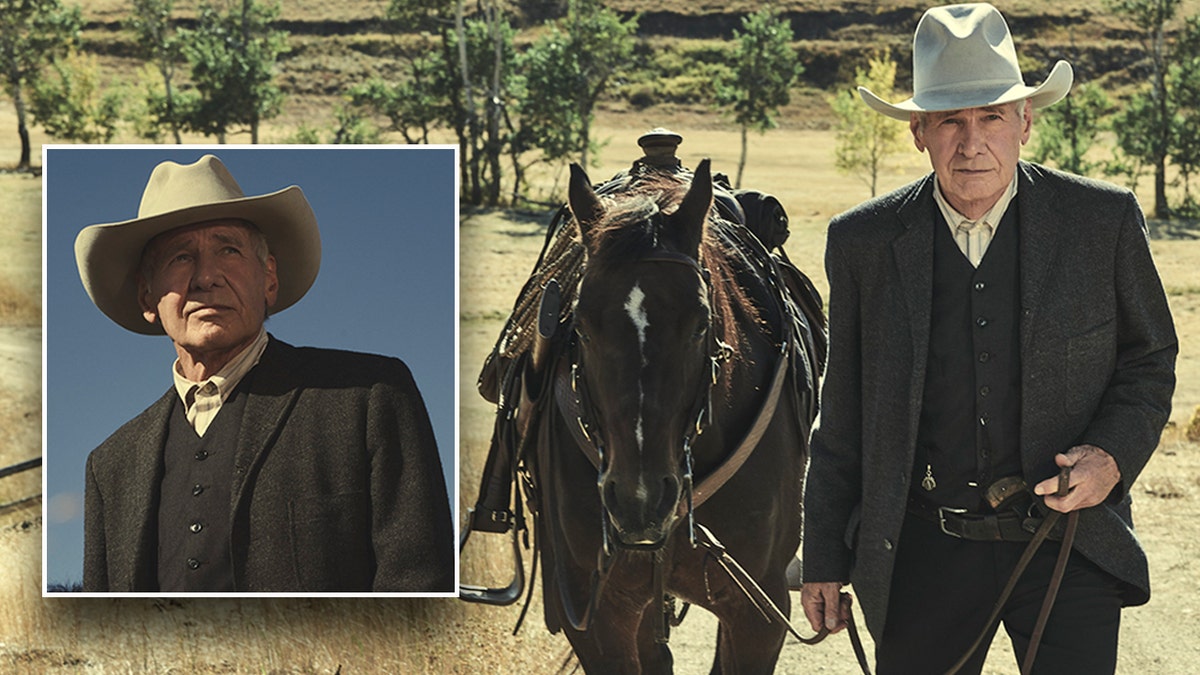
<point>1022,563</point>
<point>721,475</point>
<point>767,607</point>
<point>1008,525</point>
<point>1060,567</point>
<point>569,406</point>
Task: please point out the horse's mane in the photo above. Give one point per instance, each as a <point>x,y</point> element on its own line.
<point>631,228</point>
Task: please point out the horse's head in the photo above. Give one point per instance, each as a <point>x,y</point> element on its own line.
<point>645,345</point>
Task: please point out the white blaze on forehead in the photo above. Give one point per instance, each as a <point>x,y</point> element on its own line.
<point>635,308</point>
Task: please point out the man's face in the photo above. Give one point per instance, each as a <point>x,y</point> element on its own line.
<point>208,287</point>
<point>974,152</point>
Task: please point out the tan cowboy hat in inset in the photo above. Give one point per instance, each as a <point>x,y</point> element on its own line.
<point>963,57</point>
<point>177,195</point>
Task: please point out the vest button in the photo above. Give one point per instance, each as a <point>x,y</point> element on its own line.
<point>981,322</point>
<point>985,390</point>
<point>887,544</point>
<point>197,489</point>
<point>201,455</point>
<point>193,564</point>
<point>195,527</point>
<point>984,356</point>
<point>979,286</point>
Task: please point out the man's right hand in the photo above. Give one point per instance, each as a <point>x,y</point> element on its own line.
<point>825,605</point>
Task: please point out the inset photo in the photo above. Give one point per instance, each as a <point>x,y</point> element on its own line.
<point>250,370</point>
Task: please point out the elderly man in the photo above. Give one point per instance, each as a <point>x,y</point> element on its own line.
<point>265,467</point>
<point>989,324</point>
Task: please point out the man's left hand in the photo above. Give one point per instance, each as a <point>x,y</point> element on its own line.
<point>1094,474</point>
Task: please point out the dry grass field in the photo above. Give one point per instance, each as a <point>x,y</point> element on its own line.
<point>446,636</point>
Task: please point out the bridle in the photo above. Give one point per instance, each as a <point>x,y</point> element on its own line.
<point>588,435</point>
<point>575,404</point>
<point>573,400</point>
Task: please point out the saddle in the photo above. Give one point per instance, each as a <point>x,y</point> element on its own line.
<point>520,368</point>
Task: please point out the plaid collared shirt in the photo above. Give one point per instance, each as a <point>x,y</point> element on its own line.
<point>974,236</point>
<point>202,400</point>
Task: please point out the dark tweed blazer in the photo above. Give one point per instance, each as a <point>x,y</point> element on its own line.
<point>1098,351</point>
<point>337,484</point>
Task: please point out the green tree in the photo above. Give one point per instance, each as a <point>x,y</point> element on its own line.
<point>415,106</point>
<point>1183,87</point>
<point>864,138</point>
<point>1067,130</point>
<point>489,51</point>
<point>33,33</point>
<point>599,43</point>
<point>765,66</point>
<point>69,104</point>
<point>1151,17</point>
<point>1135,127</point>
<point>157,41</point>
<point>464,85</point>
<point>350,129</point>
<point>148,109</point>
<point>232,57</point>
<point>550,125</point>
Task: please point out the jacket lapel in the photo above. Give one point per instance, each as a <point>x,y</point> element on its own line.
<point>145,467</point>
<point>1040,236</point>
<point>269,399</point>
<point>913,252</point>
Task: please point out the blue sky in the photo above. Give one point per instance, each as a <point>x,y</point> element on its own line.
<point>387,285</point>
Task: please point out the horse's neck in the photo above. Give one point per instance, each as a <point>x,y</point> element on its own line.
<point>737,397</point>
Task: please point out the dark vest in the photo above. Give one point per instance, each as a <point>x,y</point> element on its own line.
<point>193,516</point>
<point>971,410</point>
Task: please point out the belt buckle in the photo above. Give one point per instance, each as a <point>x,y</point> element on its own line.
<point>942,511</point>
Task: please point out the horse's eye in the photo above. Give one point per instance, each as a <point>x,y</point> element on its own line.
<point>701,331</point>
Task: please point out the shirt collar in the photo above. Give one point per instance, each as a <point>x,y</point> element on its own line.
<point>991,218</point>
<point>226,379</point>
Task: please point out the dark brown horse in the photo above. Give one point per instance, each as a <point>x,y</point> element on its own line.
<point>682,394</point>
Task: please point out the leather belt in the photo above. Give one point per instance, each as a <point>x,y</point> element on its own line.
<point>1007,525</point>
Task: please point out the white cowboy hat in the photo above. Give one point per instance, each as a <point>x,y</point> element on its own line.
<point>108,254</point>
<point>963,57</point>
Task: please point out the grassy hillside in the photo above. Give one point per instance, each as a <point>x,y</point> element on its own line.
<point>337,44</point>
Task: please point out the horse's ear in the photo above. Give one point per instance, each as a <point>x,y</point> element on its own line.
<point>693,210</point>
<point>582,199</point>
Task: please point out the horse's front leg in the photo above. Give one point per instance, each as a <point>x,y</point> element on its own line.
<point>743,648</point>
<point>620,637</point>
<point>747,643</point>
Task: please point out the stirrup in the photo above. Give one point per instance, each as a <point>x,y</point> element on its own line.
<point>494,596</point>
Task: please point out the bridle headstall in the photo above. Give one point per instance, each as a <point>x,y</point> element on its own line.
<point>571,395</point>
